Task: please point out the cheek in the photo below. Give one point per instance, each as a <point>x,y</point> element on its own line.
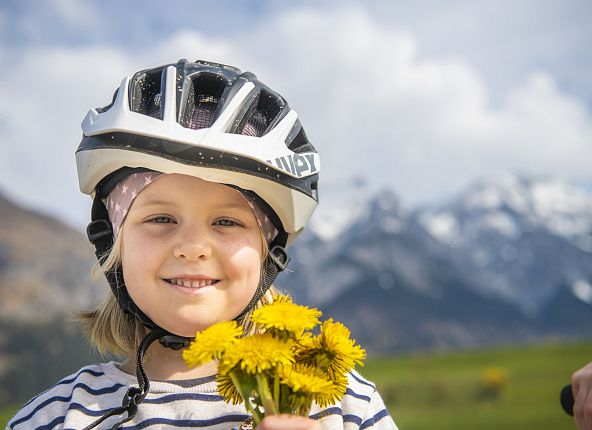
<point>138,258</point>
<point>244,253</point>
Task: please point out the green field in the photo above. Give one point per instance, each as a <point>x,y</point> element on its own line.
<point>510,388</point>
<point>452,390</point>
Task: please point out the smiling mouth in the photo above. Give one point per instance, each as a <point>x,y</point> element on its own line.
<point>192,283</point>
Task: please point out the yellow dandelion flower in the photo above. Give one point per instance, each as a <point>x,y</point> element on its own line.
<point>258,353</point>
<point>332,350</point>
<point>210,343</point>
<point>284,315</point>
<point>333,394</point>
<point>227,389</point>
<point>305,342</point>
<point>304,379</point>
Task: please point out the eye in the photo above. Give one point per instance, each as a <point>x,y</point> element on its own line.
<point>225,222</point>
<point>161,219</point>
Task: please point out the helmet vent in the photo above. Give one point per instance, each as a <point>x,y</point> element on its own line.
<point>146,93</point>
<point>202,101</point>
<point>261,113</point>
<point>299,143</point>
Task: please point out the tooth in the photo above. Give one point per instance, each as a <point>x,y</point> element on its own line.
<point>187,283</point>
<point>202,283</point>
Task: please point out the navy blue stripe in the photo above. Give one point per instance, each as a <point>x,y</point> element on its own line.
<point>51,425</point>
<point>190,383</point>
<point>326,412</point>
<point>85,411</point>
<point>41,406</point>
<point>73,378</point>
<point>350,418</point>
<point>356,395</point>
<point>369,422</point>
<point>65,400</point>
<point>188,423</point>
<point>184,396</point>
<point>67,381</point>
<point>97,392</point>
<point>361,381</point>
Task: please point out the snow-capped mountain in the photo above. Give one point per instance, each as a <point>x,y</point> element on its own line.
<point>521,238</point>
<point>340,208</point>
<point>561,209</point>
<point>500,262</point>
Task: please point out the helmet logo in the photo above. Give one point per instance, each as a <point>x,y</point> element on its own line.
<point>296,164</point>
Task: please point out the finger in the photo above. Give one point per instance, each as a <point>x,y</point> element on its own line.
<point>587,412</point>
<point>582,402</point>
<point>288,422</point>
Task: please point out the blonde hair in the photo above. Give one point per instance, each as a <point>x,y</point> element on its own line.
<point>112,331</point>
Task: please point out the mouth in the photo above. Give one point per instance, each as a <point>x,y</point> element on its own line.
<point>192,283</point>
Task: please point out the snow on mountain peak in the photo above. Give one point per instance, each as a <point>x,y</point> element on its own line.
<point>582,290</point>
<point>340,208</point>
<point>443,226</point>
<point>507,203</point>
<point>549,203</point>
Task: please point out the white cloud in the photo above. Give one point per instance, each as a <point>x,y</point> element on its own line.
<point>45,94</point>
<point>369,98</point>
<point>77,13</point>
<point>373,103</point>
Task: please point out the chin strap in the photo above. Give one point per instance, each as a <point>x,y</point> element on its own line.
<point>134,395</point>
<point>276,262</point>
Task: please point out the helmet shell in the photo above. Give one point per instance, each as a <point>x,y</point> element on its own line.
<point>210,121</point>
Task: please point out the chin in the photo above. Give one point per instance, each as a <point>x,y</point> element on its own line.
<point>186,330</point>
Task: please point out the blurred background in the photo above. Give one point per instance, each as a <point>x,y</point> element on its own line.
<point>454,234</point>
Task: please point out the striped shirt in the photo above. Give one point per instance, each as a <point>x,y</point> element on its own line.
<point>80,399</point>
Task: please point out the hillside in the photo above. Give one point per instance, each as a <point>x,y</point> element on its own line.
<point>44,279</point>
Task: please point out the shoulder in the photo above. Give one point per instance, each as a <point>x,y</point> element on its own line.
<point>51,406</point>
<point>361,407</point>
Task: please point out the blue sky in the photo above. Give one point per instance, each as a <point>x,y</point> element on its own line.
<point>422,97</point>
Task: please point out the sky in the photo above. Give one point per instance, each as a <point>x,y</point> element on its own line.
<point>421,97</point>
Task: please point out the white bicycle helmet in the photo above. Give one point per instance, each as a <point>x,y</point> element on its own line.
<point>210,121</point>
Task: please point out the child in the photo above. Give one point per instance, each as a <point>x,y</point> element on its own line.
<point>201,176</point>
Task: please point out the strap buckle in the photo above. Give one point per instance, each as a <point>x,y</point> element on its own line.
<point>277,258</point>
<point>98,229</point>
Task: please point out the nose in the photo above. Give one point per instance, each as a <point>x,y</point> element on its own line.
<point>193,244</point>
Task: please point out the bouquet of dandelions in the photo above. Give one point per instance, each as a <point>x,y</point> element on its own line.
<point>282,368</point>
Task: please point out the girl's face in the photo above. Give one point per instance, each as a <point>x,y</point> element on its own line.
<point>191,253</point>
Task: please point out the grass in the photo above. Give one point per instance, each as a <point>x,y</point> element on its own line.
<point>456,390</point>
<point>7,413</point>
<point>452,391</point>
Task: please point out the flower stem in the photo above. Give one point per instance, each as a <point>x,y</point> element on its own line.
<point>276,391</point>
<point>265,394</point>
<point>257,416</point>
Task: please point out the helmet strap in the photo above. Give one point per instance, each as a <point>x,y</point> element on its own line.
<point>276,262</point>
<point>134,395</point>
